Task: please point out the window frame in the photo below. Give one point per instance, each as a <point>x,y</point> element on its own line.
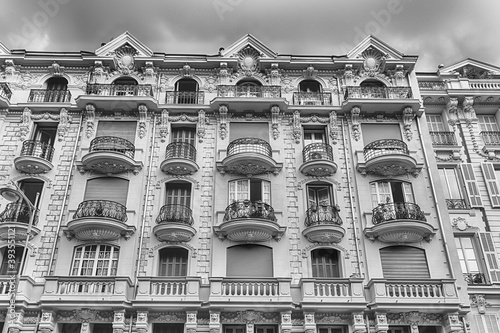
<point>339,265</point>
<point>112,262</point>
<point>265,190</point>
<point>406,190</point>
<point>184,271</point>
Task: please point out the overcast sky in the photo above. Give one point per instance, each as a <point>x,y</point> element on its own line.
<point>438,31</point>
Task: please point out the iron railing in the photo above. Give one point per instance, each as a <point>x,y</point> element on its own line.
<point>181,150</point>
<point>397,211</point>
<point>49,96</point>
<point>120,90</point>
<point>443,138</point>
<point>185,97</point>
<point>175,213</point>
<point>249,91</point>
<point>456,204</point>
<point>249,209</point>
<point>323,214</point>
<point>317,151</point>
<point>5,90</point>
<point>18,212</point>
<point>112,143</point>
<point>378,92</point>
<point>474,278</point>
<point>37,149</point>
<point>385,147</point>
<point>249,145</point>
<point>312,98</point>
<point>101,208</point>
<point>431,85</point>
<point>491,137</point>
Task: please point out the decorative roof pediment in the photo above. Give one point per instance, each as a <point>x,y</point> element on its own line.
<point>374,45</point>
<point>471,69</point>
<point>245,42</point>
<point>122,41</point>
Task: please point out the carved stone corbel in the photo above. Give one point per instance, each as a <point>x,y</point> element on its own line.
<point>90,120</point>
<point>202,125</point>
<point>452,323</point>
<point>223,121</point>
<point>214,324</point>
<point>309,322</point>
<point>381,324</point>
<point>452,109</point>
<point>408,116</point>
<point>468,110</point>
<point>119,321</point>
<point>63,125</point>
<point>356,130</point>
<point>348,75</point>
<point>275,112</point>
<point>143,117</point>
<point>334,128</point>
<point>191,322</point>
<point>163,126</point>
<point>186,71</point>
<point>358,323</point>
<point>141,324</point>
<point>47,322</point>
<point>26,124</point>
<point>310,72</point>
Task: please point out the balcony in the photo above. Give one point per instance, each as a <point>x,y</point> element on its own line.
<point>412,295</point>
<point>239,292</point>
<point>400,222</point>
<point>49,96</point>
<point>375,99</point>
<point>5,95</point>
<point>14,222</point>
<point>180,159</point>
<point>28,291</point>
<point>332,293</point>
<point>35,158</point>
<point>249,156</point>
<point>318,160</point>
<point>452,204</point>
<point>249,222</point>
<point>118,96</point>
<point>185,97</point>
<point>238,97</point>
<point>323,225</point>
<point>312,99</point>
<point>443,138</point>
<point>387,157</point>
<point>73,291</point>
<point>99,220</point>
<point>475,278</point>
<point>174,224</point>
<point>157,292</point>
<point>110,155</point>
<point>432,85</point>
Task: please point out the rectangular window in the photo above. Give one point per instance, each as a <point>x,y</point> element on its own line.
<point>234,329</point>
<point>248,130</point>
<point>178,194</point>
<point>319,196</point>
<point>70,328</point>
<point>375,132</point>
<point>184,134</point>
<point>490,256</point>
<point>173,261</point>
<point>435,123</point>
<point>488,123</point>
<point>102,328</point>
<point>332,329</point>
<point>264,329</point>
<point>485,323</point>
<point>250,189</point>
<point>314,136</point>
<point>452,188</point>
<point>391,192</point>
<point>95,260</point>
<point>468,255</point>
<point>45,132</point>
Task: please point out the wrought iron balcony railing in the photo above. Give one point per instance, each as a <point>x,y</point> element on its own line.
<point>181,150</point>
<point>431,85</point>
<point>175,213</point>
<point>385,147</point>
<point>249,91</point>
<point>317,151</point>
<point>144,90</point>
<point>101,208</point>
<point>249,209</point>
<point>49,96</point>
<point>491,137</point>
<point>456,204</point>
<point>378,92</point>
<point>323,214</point>
<point>185,97</point>
<point>312,98</point>
<point>443,138</point>
<point>37,149</point>
<point>474,278</point>
<point>112,143</point>
<point>18,212</point>
<point>249,145</point>
<point>5,91</point>
<point>397,211</point>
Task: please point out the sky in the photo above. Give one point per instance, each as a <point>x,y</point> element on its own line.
<point>438,31</point>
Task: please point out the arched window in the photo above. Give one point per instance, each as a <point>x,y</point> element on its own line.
<point>125,86</point>
<point>56,88</point>
<point>95,260</point>
<point>56,83</point>
<point>173,261</point>
<point>372,83</point>
<point>325,263</point>
<point>249,88</point>
<point>404,262</point>
<point>249,260</point>
<point>186,91</point>
<point>311,86</point>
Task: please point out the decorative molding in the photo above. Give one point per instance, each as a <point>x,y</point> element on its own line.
<point>274,75</point>
<point>99,73</point>
<point>202,125</point>
<point>143,116</point>
<point>324,178</point>
<point>124,59</point>
<point>408,116</point>
<point>224,73</point>
<point>90,120</point>
<point>468,110</point>
<point>356,129</point>
<point>152,251</point>
<point>452,109</point>
<point>64,121</point>
<point>248,317</point>
<point>186,71</point>
<point>315,119</point>
<point>167,317</point>
<point>460,223</point>
<point>223,121</point>
<point>163,126</point>
<point>381,324</point>
<point>334,128</point>
<point>275,113</point>
<point>297,130</point>
<point>248,61</point>
<point>309,73</point>
<point>26,124</point>
<point>480,302</point>
<point>176,177</point>
<point>305,251</point>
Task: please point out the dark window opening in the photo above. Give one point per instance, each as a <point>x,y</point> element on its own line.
<point>5,268</point>
<point>372,83</point>
<point>179,193</point>
<point>30,188</point>
<point>168,328</point>
<point>71,328</point>
<point>173,261</point>
<point>325,263</point>
<point>102,328</point>
<point>57,83</point>
<point>310,86</point>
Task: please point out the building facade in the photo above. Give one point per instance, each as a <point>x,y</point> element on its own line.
<point>247,191</point>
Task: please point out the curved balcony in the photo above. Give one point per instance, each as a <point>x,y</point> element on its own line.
<point>318,160</point>
<point>249,156</point>
<point>388,157</point>
<point>180,159</point>
<point>323,224</point>
<point>249,221</point>
<point>14,222</point>
<point>99,220</point>
<point>399,222</point>
<point>174,224</point>
<point>36,157</point>
<point>373,99</point>
<point>124,97</point>
<point>110,155</point>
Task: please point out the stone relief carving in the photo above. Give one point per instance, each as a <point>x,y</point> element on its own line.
<point>202,125</point>
<point>124,59</point>
<point>356,130</point>
<point>90,120</point>
<point>163,126</point>
<point>275,113</point>
<point>248,61</point>
<point>26,124</point>
<point>297,130</point>
<point>64,121</point>
<point>223,121</point>
<point>274,75</point>
<point>408,116</point>
<point>143,116</point>
<point>452,109</point>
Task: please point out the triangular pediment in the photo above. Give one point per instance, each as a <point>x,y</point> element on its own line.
<point>245,42</point>
<point>3,49</point>
<point>124,39</point>
<point>373,44</point>
<point>472,69</point>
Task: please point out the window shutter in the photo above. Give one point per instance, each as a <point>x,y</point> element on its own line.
<point>470,185</point>
<point>112,189</point>
<point>491,183</point>
<point>490,256</point>
<point>403,262</point>
<point>249,260</point>
<point>249,130</point>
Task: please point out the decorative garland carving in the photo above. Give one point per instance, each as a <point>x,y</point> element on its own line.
<point>309,178</point>
<point>275,113</point>
<point>170,177</point>
<point>297,131</point>
<point>167,317</point>
<point>305,251</point>
<point>452,109</point>
<point>480,302</point>
<point>334,128</point>
<point>64,121</point>
<point>249,317</point>
<point>163,127</point>
<point>26,123</point>
<point>468,110</point>
<point>143,116</point>
<point>223,121</point>
<point>202,125</point>
<point>408,116</point>
<point>90,120</point>
<point>224,73</point>
<point>356,129</point>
